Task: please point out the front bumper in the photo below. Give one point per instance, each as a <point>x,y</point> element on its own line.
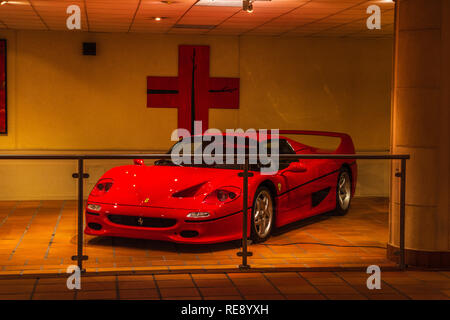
<point>223,228</point>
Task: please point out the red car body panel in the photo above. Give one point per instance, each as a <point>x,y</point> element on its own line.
<point>147,192</point>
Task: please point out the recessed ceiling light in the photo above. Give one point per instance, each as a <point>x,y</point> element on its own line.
<point>157,18</point>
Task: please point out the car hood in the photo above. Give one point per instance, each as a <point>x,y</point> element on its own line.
<point>154,186</point>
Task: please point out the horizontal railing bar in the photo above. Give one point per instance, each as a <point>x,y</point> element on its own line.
<point>168,156</point>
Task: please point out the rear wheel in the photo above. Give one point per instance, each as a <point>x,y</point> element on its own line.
<point>343,192</point>
<point>262,215</point>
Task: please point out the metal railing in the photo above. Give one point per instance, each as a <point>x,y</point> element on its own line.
<point>245,174</point>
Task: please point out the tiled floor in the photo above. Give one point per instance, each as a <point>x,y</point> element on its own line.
<point>236,286</point>
<point>39,237</point>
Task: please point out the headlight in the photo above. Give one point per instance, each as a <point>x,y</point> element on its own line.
<point>198,215</point>
<point>225,194</point>
<point>102,187</point>
<point>94,207</point>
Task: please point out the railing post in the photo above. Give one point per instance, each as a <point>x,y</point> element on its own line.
<point>244,253</point>
<point>402,213</point>
<point>244,264</point>
<point>80,176</point>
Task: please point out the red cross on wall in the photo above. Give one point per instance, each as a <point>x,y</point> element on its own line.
<point>193,92</point>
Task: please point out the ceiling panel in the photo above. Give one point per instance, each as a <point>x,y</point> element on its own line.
<point>336,18</point>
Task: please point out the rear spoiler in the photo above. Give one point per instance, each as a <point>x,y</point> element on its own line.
<point>345,147</point>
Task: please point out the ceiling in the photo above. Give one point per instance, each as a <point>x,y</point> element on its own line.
<point>312,18</point>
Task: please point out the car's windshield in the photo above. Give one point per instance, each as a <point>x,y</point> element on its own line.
<point>210,149</point>
<point>216,151</point>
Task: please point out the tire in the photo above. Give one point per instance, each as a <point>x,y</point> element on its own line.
<point>343,192</point>
<point>263,214</point>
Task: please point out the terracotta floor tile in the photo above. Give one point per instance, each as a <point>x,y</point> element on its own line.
<point>213,283</point>
<point>228,291</point>
<point>446,292</point>
<point>427,276</point>
<point>98,286</point>
<point>147,284</point>
<point>139,294</point>
<point>336,289</point>
<point>305,297</point>
<point>96,295</point>
<point>181,283</point>
<point>54,296</point>
<point>172,277</point>
<point>14,289</point>
<point>130,278</point>
<point>345,297</point>
<point>182,298</point>
<point>257,290</point>
<point>297,289</point>
<point>265,297</point>
<point>209,276</point>
<point>16,296</point>
<point>49,288</point>
<point>179,292</point>
<point>387,297</point>
<point>428,296</point>
<point>222,298</point>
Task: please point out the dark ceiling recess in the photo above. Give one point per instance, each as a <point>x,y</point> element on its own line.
<point>89,48</point>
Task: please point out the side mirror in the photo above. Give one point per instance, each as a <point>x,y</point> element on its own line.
<point>138,162</point>
<point>296,167</point>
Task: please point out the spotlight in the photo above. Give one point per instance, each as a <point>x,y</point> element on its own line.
<point>247,5</point>
<point>250,8</point>
<point>157,18</point>
<point>4,2</point>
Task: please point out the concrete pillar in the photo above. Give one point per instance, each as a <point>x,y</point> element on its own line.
<point>420,127</point>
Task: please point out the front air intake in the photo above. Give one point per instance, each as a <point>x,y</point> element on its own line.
<point>145,222</point>
<point>189,233</point>
<point>95,226</point>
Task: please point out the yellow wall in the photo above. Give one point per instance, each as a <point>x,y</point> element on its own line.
<point>62,101</point>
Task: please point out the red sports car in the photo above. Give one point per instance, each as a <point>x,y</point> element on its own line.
<point>201,203</point>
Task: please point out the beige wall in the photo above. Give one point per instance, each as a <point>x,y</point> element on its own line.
<point>62,101</point>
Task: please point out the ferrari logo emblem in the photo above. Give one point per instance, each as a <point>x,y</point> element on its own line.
<point>140,221</point>
<point>146,200</point>
<point>279,187</point>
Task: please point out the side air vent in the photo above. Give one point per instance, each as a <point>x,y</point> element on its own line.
<point>189,192</point>
<point>319,196</point>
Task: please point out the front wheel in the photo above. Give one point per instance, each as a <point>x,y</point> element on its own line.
<point>262,215</point>
<point>343,192</point>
